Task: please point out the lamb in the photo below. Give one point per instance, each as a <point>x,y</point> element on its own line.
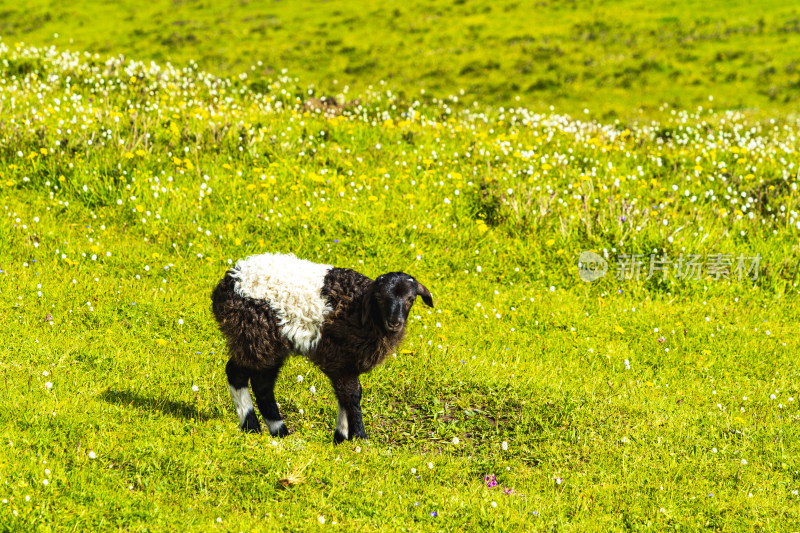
<point>272,305</point>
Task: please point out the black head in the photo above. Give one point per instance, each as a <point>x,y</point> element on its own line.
<point>391,296</point>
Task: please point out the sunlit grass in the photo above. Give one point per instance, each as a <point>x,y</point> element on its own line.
<point>620,58</point>
<point>128,188</point>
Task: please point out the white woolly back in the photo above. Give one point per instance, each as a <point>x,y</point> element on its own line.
<point>291,287</point>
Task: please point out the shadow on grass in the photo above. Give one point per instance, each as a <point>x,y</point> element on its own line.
<point>178,409</point>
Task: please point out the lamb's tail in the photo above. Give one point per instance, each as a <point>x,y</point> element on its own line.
<point>222,294</point>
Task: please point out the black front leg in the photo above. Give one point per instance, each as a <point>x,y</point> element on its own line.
<point>349,424</point>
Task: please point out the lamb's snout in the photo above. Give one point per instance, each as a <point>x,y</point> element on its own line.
<point>394,325</point>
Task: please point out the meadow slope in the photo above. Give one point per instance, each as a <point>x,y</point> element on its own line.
<point>527,399</point>
<point>615,58</point>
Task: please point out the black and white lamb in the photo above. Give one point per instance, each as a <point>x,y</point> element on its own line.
<point>272,305</point>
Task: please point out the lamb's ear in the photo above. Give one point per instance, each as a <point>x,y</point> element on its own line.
<point>366,304</point>
<point>425,293</point>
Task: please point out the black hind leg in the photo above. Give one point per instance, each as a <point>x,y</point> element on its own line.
<point>238,378</point>
<point>264,389</point>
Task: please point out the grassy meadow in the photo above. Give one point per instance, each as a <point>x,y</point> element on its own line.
<point>615,58</point>
<point>137,164</point>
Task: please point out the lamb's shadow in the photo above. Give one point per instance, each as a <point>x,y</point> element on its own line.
<point>178,409</point>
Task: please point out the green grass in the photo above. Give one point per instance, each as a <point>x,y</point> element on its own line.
<point>127,190</point>
<point>621,58</point>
